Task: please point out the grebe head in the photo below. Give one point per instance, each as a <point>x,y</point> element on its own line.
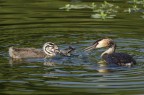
<point>100,43</point>
<point>50,49</point>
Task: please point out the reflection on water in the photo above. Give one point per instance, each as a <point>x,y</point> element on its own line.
<point>34,22</point>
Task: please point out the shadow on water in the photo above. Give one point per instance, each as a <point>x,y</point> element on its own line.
<point>34,22</point>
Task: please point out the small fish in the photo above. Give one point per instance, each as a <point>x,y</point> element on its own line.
<point>68,51</point>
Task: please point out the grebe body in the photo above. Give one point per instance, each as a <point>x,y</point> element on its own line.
<point>49,50</point>
<point>110,56</point>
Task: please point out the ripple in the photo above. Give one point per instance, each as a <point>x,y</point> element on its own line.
<point>32,23</point>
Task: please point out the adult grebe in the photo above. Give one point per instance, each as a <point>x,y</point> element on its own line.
<point>110,56</point>
<point>49,50</point>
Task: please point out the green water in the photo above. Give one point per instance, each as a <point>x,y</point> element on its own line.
<point>31,23</point>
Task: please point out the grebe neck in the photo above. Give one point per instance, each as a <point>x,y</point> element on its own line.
<point>110,50</point>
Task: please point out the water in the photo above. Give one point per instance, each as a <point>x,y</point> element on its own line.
<point>31,23</point>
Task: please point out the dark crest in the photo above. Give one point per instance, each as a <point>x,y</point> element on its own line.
<point>96,42</point>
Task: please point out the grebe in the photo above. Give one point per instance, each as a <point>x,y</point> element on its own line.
<point>110,56</point>
<point>49,50</point>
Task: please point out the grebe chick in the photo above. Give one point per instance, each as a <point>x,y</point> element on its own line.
<point>110,56</point>
<point>49,50</point>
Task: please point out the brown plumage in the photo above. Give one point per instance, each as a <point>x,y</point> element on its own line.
<point>26,53</point>
<point>49,50</point>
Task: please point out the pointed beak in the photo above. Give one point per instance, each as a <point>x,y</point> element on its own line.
<point>90,48</point>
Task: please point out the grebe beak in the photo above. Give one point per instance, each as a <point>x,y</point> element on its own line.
<point>100,43</point>
<point>93,46</point>
<point>90,47</point>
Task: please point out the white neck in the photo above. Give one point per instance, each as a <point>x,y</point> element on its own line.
<point>110,50</point>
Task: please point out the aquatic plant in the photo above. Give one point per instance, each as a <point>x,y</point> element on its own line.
<point>102,15</point>
<point>105,10</point>
<point>93,6</point>
<point>134,8</point>
<point>107,7</point>
<point>105,4</point>
<point>136,2</point>
<point>68,7</point>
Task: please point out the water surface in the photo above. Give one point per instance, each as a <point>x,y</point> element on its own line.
<point>31,23</point>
